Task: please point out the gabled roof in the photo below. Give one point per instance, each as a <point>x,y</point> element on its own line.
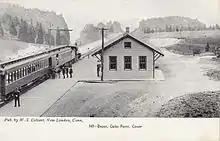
<point>127,35</point>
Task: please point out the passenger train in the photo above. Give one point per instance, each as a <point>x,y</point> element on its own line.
<point>27,70</point>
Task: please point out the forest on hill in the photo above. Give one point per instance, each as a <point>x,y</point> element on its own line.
<point>32,25</point>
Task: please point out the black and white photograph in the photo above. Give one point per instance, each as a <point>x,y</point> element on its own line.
<point>110,58</point>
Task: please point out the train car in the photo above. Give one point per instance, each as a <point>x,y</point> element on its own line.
<point>27,70</point>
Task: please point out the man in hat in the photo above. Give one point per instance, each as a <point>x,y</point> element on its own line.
<point>17,97</point>
<point>98,68</point>
<point>63,71</point>
<point>71,72</point>
<point>67,72</point>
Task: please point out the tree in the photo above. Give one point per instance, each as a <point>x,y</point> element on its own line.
<point>167,28</point>
<point>217,26</point>
<point>31,33</point>
<point>40,34</point>
<point>23,31</point>
<point>16,21</point>
<point>1,29</point>
<point>49,39</point>
<point>52,40</point>
<point>12,29</point>
<point>170,28</point>
<point>177,29</point>
<point>58,39</point>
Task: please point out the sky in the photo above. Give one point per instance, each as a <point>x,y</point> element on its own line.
<point>77,13</point>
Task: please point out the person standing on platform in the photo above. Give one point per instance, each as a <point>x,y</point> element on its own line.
<point>63,71</point>
<point>17,97</point>
<point>58,71</point>
<point>67,72</point>
<point>53,73</point>
<point>98,69</point>
<point>71,72</point>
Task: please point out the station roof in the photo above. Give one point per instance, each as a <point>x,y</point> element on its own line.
<point>127,35</point>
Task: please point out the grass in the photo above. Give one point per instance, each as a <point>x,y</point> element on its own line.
<point>204,104</point>
<point>214,74</point>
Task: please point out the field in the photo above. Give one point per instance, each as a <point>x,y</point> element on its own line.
<point>189,41</point>
<point>203,104</point>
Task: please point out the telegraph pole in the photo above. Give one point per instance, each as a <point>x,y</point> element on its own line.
<point>102,58</point>
<point>50,29</point>
<point>50,36</point>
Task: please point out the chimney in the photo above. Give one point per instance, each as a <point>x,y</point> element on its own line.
<point>127,29</point>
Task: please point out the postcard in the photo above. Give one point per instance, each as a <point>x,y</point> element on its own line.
<point>110,70</point>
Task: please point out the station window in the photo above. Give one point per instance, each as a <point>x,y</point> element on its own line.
<point>127,45</point>
<point>127,62</point>
<point>112,62</point>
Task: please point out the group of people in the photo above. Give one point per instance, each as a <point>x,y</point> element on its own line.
<point>66,72</point>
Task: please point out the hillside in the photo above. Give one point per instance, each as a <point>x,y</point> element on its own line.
<point>171,23</point>
<point>91,32</point>
<point>14,18</point>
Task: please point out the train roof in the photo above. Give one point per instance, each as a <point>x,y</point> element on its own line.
<point>23,62</point>
<point>49,50</point>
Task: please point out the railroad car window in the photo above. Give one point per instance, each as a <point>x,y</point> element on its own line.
<point>17,74</point>
<point>39,64</point>
<point>7,79</point>
<point>45,63</point>
<point>33,68</point>
<point>42,64</point>
<point>23,72</point>
<point>14,75</point>
<point>20,73</point>
<point>11,75</point>
<point>29,69</point>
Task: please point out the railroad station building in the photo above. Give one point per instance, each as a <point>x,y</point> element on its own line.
<point>128,58</point>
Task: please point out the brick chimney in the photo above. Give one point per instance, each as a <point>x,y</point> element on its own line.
<point>127,29</point>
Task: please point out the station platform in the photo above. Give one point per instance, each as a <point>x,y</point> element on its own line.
<point>40,98</point>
